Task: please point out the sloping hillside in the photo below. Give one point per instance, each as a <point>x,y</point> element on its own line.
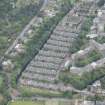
<point>14,15</point>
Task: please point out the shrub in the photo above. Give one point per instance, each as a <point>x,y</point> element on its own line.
<point>81,82</point>
<point>81,39</point>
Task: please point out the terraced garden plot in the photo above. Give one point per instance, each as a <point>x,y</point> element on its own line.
<point>49,102</point>
<point>41,71</point>
<point>60,38</point>
<point>48,59</point>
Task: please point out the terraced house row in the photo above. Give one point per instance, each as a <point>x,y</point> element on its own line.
<point>96,43</point>
<point>44,69</point>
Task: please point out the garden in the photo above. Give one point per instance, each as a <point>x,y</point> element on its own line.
<point>81,40</point>
<point>4,96</point>
<point>92,57</point>
<point>81,82</point>
<point>47,102</point>
<point>100,39</point>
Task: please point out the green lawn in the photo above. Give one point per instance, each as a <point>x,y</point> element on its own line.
<point>1,80</point>
<point>92,57</point>
<point>28,91</point>
<point>1,98</point>
<point>81,81</point>
<point>27,103</point>
<point>48,102</point>
<point>100,40</point>
<point>52,102</point>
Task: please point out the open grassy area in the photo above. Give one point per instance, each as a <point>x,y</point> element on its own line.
<point>14,15</point>
<point>47,102</point>
<point>1,80</point>
<point>81,82</point>
<point>100,40</point>
<point>29,91</point>
<point>1,98</point>
<point>92,57</point>
<point>52,102</point>
<point>26,103</point>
